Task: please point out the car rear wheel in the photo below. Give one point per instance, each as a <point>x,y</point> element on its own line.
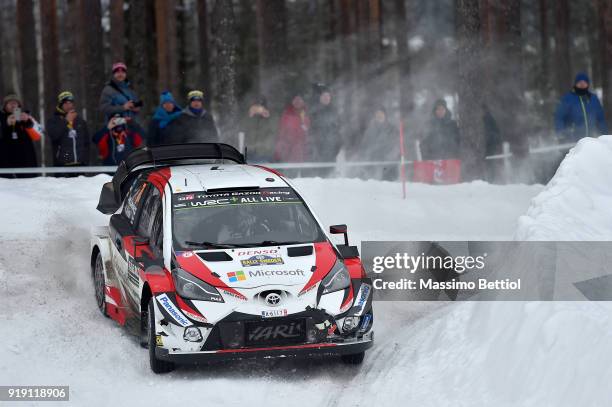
<point>157,366</point>
<point>100,284</point>
<point>354,359</point>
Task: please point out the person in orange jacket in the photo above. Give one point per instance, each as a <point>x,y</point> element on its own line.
<point>18,132</point>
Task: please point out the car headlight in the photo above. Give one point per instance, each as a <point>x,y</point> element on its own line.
<point>190,287</point>
<point>337,279</point>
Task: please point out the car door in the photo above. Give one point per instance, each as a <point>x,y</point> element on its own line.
<point>122,231</point>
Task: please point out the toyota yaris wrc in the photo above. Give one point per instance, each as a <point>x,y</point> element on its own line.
<point>206,257</point>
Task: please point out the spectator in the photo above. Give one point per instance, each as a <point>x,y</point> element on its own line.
<point>17,135</point>
<point>293,130</point>
<point>165,113</point>
<point>69,133</point>
<point>119,98</point>
<point>117,141</point>
<point>381,143</point>
<point>325,130</point>
<point>442,141</point>
<point>195,124</point>
<point>258,127</point>
<point>579,114</point>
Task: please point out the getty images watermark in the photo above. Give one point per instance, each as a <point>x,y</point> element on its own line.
<point>474,270</point>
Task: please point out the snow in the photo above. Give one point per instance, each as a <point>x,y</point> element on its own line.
<point>575,205</point>
<point>426,354</point>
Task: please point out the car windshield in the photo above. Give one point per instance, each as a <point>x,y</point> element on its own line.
<point>261,217</point>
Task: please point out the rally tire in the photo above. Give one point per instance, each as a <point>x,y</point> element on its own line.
<point>157,366</point>
<point>100,284</point>
<point>353,359</point>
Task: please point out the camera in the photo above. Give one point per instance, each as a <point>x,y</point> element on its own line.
<point>138,103</point>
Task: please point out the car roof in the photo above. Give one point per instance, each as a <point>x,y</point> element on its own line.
<point>206,177</point>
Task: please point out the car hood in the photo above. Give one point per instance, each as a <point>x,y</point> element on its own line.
<point>293,265</point>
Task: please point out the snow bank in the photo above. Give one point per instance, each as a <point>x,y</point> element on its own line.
<point>576,204</point>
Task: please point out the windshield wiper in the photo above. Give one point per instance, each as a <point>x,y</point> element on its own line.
<point>213,245</point>
<point>272,243</point>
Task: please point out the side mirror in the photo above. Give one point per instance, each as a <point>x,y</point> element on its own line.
<point>340,230</point>
<point>108,201</point>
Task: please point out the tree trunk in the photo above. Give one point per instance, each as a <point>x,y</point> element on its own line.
<point>117,31</point>
<point>27,55</point>
<point>72,75</point>
<point>273,50</point>
<point>167,58</point>
<point>203,27</point>
<point>470,94</point>
<point>563,79</point>
<point>142,55</point>
<point>544,81</point>
<point>402,26</point>
<point>226,45</point>
<point>51,80</point>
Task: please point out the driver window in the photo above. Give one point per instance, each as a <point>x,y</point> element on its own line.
<point>149,209</point>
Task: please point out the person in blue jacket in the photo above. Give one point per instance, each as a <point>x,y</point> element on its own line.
<point>579,113</point>
<point>166,112</point>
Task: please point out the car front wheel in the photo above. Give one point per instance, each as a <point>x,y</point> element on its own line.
<point>157,366</point>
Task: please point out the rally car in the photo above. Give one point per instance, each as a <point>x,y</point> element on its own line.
<point>206,257</point>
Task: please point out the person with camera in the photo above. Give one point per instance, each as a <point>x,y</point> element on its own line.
<point>17,136</point>
<point>117,141</point>
<point>118,97</point>
<point>68,133</point>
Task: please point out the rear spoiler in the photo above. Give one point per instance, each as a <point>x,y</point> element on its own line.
<point>113,192</point>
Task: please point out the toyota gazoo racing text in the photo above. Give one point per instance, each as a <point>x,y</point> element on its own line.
<point>206,257</point>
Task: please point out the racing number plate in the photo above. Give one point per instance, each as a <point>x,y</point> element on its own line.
<point>275,332</point>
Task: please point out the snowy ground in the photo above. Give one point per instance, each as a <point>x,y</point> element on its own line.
<point>429,354</point>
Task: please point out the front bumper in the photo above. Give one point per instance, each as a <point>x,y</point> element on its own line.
<point>305,350</point>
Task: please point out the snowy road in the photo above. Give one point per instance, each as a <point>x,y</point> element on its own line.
<point>426,354</point>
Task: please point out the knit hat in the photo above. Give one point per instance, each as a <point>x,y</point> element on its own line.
<point>9,97</point>
<point>195,95</point>
<point>582,77</point>
<point>166,97</point>
<point>119,65</point>
<point>65,96</point>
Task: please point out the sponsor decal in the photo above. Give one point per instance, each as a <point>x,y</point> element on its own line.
<point>274,313</point>
<point>132,271</point>
<point>256,252</point>
<point>187,254</point>
<point>268,273</point>
<point>158,340</point>
<point>282,331</point>
<point>169,306</point>
<point>261,260</point>
<point>231,294</point>
<point>235,276</point>
<point>186,197</point>
<point>364,292</point>
<point>195,317</point>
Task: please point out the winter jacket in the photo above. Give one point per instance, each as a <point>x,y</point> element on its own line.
<point>71,141</point>
<point>579,116</point>
<point>291,144</point>
<point>192,127</point>
<point>442,141</point>
<point>160,124</point>
<point>259,133</point>
<point>380,142</point>
<point>114,95</point>
<point>16,145</point>
<point>112,149</point>
<point>325,141</point>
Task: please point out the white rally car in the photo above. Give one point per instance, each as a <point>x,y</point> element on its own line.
<point>206,257</point>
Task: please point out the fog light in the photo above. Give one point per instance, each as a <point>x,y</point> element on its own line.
<point>192,334</point>
<point>350,323</point>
